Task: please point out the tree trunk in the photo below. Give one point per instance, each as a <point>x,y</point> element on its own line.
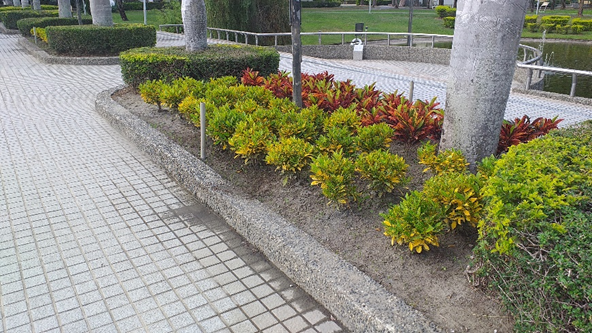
<point>482,63</point>
<point>402,3</point>
<point>195,24</point>
<point>16,3</point>
<point>101,13</point>
<point>440,2</point>
<point>8,3</point>
<point>36,5</point>
<point>455,4</point>
<point>79,11</point>
<point>64,8</point>
<point>25,3</point>
<point>119,4</point>
<point>581,9</point>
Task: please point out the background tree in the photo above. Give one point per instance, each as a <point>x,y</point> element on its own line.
<point>482,64</point>
<point>195,24</point>
<point>8,3</point>
<point>101,13</point>
<point>36,5</point>
<point>25,3</point>
<point>16,3</point>
<point>121,10</point>
<point>64,8</point>
<point>249,15</point>
<point>581,9</point>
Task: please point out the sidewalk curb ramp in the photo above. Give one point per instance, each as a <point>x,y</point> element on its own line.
<point>359,302</point>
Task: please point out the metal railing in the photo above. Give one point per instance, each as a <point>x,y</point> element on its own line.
<point>531,57</point>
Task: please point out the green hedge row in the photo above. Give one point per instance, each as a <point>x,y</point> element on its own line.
<point>43,7</point>
<point>11,17</point>
<point>319,4</point>
<point>137,5</point>
<point>80,40</point>
<point>141,65</point>
<point>25,25</point>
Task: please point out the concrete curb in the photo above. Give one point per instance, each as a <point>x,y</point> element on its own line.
<point>554,96</point>
<point>8,31</point>
<point>44,57</point>
<point>359,302</point>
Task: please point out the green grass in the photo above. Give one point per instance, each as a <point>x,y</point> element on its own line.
<point>384,20</point>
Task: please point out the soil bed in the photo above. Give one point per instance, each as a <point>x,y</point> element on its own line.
<point>433,282</point>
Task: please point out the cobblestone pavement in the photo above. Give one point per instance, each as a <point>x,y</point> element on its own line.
<point>429,82</point>
<point>94,237</point>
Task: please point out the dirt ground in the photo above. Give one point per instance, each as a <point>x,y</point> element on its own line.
<point>432,282</point>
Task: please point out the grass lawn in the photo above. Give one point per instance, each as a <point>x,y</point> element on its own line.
<point>379,20</point>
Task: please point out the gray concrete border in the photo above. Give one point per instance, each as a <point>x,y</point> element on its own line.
<point>359,302</point>
<point>6,31</point>
<point>44,57</point>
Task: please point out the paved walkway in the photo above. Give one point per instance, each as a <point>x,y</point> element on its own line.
<point>429,81</point>
<point>94,237</point>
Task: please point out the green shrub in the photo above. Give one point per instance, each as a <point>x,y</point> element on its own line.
<point>535,240</point>
<point>96,40</point>
<point>441,11</point>
<point>530,19</point>
<point>548,27</point>
<point>587,24</point>
<point>289,154</point>
<point>416,221</point>
<point>450,12</point>
<point>563,29</point>
<point>138,5</point>
<point>555,19</point>
<point>144,64</point>
<point>532,27</point>
<point>448,161</point>
<point>336,139</point>
<point>374,137</point>
<point>382,169</point>
<point>459,196</point>
<point>171,95</point>
<point>304,124</point>
<point>343,117</point>
<point>40,33</point>
<point>251,138</point>
<point>222,123</point>
<point>449,22</point>
<point>320,4</point>
<point>577,29</point>
<point>335,175</point>
<point>150,92</point>
<point>11,17</point>
<point>25,25</point>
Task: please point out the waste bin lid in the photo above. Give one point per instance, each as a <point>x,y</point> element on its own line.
<point>359,27</point>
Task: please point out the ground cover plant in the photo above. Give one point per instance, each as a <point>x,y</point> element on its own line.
<point>292,154</point>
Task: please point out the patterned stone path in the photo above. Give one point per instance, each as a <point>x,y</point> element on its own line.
<point>96,238</point>
<point>429,81</point>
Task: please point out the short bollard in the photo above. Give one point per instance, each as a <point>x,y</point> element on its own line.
<point>202,127</point>
<point>411,85</point>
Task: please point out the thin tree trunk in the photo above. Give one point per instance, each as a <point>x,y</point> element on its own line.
<point>64,8</point>
<point>101,13</point>
<point>402,3</point>
<point>119,4</point>
<point>195,24</point>
<point>455,4</point>
<point>482,64</point>
<point>562,4</point>
<point>440,2</point>
<point>79,5</point>
<point>8,3</point>
<point>36,5</point>
<point>581,9</point>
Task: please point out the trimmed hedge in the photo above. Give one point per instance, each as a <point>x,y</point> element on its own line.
<point>25,25</point>
<point>586,24</point>
<point>137,5</point>
<point>141,65</point>
<point>319,4</point>
<point>555,19</point>
<point>449,22</point>
<point>11,17</point>
<point>530,19</point>
<point>81,40</point>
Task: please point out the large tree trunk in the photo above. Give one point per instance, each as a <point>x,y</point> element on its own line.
<point>120,9</point>
<point>25,3</point>
<point>8,3</point>
<point>16,3</point>
<point>64,8</point>
<point>195,24</point>
<point>36,5</point>
<point>101,13</point>
<point>482,63</point>
<point>581,9</point>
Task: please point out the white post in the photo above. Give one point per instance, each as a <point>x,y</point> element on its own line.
<point>202,126</point>
<point>369,6</point>
<point>144,9</point>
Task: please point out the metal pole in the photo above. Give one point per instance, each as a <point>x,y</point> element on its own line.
<point>202,123</point>
<point>144,9</point>
<point>295,17</point>
<point>409,27</point>
<point>369,6</point>
<point>411,84</point>
<point>528,78</point>
<point>572,93</point>
<point>538,6</point>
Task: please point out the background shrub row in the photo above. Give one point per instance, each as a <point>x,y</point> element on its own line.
<point>140,65</point>
<point>11,17</point>
<point>25,25</point>
<point>138,5</point>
